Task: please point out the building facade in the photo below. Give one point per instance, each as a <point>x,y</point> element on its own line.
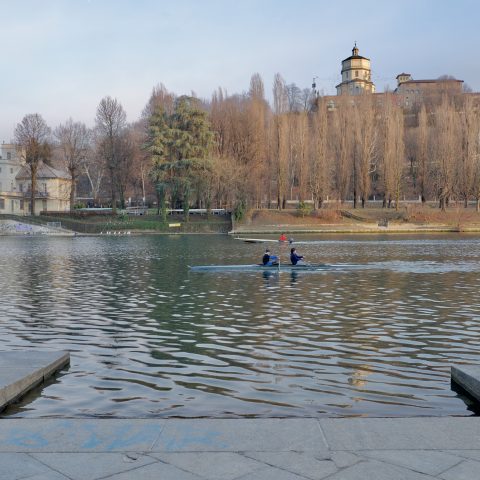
<point>11,201</point>
<point>356,75</point>
<point>52,192</point>
<point>411,92</point>
<point>53,186</point>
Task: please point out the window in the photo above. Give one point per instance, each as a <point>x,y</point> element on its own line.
<point>9,155</point>
<point>11,170</point>
<point>2,204</point>
<point>44,186</point>
<point>21,187</point>
<point>22,206</point>
<point>356,73</point>
<point>0,168</point>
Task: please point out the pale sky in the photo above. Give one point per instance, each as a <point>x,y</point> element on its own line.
<point>60,57</point>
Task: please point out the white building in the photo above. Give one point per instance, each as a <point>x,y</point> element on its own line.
<point>53,186</point>
<point>11,201</point>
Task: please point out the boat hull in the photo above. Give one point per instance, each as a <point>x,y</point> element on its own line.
<point>267,268</point>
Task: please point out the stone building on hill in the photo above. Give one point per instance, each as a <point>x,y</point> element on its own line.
<point>356,75</point>
<point>412,92</point>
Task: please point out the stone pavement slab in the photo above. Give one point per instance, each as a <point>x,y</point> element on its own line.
<point>422,461</point>
<point>212,465</point>
<point>78,466</point>
<point>21,465</point>
<point>468,470</point>
<point>291,434</point>
<point>373,470</point>
<point>402,433</point>
<point>240,449</point>
<point>304,464</point>
<point>78,435</point>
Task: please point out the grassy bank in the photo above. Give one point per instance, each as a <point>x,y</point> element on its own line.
<point>407,219</point>
<point>142,223</point>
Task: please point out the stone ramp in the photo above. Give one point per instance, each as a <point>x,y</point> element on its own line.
<point>20,371</point>
<point>241,449</point>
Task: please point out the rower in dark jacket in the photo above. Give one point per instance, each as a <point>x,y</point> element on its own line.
<point>269,259</point>
<point>294,256</point>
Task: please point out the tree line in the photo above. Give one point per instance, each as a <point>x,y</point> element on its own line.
<point>240,151</point>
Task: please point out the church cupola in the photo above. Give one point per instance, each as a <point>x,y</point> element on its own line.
<point>356,75</point>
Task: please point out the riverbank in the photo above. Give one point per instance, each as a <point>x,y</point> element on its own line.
<point>369,220</point>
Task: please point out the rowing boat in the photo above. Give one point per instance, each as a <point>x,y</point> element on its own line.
<point>312,267</point>
<point>271,240</point>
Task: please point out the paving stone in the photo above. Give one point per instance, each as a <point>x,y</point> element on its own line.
<point>78,435</point>
<point>473,454</point>
<point>373,470</point>
<point>422,461</point>
<point>79,466</point>
<point>466,470</point>
<point>46,476</point>
<point>401,433</point>
<point>212,465</point>
<point>155,471</point>
<point>344,459</point>
<point>14,466</point>
<point>271,473</point>
<point>236,435</point>
<point>300,463</point>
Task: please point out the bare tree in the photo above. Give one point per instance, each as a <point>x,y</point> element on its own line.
<point>470,137</point>
<point>341,146</point>
<point>74,140</point>
<point>393,152</point>
<point>280,138</point>
<point>446,150</point>
<point>365,144</point>
<point>94,168</point>
<point>32,136</point>
<point>319,169</point>
<point>110,123</point>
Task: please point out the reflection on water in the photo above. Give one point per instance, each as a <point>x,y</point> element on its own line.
<point>149,338</point>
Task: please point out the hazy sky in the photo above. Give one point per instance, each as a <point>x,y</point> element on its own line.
<point>60,57</point>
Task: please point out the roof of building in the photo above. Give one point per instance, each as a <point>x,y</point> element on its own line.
<point>44,171</point>
<point>433,81</point>
<point>355,80</point>
<point>353,57</point>
<point>404,75</point>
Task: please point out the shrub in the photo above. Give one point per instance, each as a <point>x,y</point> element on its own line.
<point>240,210</point>
<point>304,209</point>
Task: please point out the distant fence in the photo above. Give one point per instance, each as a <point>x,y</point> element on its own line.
<point>54,224</point>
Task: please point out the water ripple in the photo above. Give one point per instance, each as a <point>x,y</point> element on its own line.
<point>148,338</point>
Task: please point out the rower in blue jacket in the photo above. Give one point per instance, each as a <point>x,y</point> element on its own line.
<point>295,257</point>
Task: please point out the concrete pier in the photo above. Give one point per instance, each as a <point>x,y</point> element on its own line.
<point>20,371</point>
<point>468,377</point>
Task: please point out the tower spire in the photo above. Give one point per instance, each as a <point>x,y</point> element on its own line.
<point>355,49</point>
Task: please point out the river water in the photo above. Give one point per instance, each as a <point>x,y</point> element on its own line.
<point>149,338</point>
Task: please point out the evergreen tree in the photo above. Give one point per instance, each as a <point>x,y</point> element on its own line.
<point>179,145</point>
